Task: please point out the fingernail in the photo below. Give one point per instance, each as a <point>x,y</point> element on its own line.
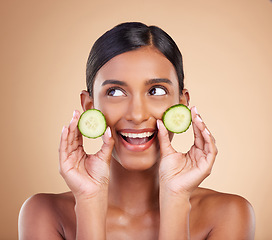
<point>196,110</point>
<point>74,113</point>
<point>63,128</point>
<point>158,124</point>
<point>109,132</point>
<point>197,116</point>
<point>207,131</point>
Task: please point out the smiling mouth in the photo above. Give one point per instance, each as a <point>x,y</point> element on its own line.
<point>137,138</point>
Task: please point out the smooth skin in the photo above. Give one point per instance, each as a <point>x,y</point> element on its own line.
<point>130,192</point>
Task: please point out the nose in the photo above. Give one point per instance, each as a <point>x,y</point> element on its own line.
<point>137,111</point>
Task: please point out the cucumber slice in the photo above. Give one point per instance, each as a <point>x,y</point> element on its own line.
<point>92,123</point>
<point>177,119</point>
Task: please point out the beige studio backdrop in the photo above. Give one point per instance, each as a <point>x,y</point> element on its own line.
<point>227,53</point>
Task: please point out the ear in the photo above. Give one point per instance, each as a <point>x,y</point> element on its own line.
<point>86,100</point>
<point>185,97</point>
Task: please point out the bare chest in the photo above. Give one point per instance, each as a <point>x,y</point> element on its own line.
<point>124,227</point>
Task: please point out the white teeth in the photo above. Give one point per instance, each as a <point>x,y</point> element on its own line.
<point>137,135</point>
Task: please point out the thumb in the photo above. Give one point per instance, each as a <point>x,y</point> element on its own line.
<point>164,141</point>
<point>106,149</point>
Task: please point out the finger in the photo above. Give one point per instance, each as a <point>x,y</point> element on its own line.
<point>164,141</point>
<point>78,140</point>
<point>203,137</point>
<point>198,126</point>
<point>210,147</point>
<point>63,146</point>
<point>107,147</point>
<point>74,136</point>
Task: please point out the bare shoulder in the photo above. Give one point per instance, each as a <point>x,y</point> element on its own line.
<point>230,216</point>
<point>43,214</point>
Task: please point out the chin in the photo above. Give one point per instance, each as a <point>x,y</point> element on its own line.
<point>137,161</point>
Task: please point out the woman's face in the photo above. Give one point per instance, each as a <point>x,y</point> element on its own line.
<point>133,90</point>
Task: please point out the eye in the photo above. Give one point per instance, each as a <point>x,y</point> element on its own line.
<point>157,91</point>
<point>114,92</point>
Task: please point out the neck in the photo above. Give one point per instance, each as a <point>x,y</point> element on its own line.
<point>134,192</point>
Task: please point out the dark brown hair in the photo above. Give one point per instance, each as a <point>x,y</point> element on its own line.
<point>127,37</point>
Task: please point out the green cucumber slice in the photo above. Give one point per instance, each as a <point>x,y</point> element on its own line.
<point>92,123</point>
<point>177,119</point>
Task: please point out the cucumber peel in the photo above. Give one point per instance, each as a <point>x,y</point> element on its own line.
<point>177,118</point>
<point>92,123</point>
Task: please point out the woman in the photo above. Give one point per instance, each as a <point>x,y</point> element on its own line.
<point>137,186</point>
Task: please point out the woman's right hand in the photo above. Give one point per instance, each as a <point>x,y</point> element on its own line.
<point>86,175</point>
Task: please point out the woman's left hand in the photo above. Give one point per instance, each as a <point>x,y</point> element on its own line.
<point>182,173</point>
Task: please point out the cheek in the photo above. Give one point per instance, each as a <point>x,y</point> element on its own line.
<point>157,108</point>
<point>113,112</point>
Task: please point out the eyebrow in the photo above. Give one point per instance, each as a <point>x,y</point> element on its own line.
<point>116,82</point>
<point>148,82</point>
<point>158,80</point>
